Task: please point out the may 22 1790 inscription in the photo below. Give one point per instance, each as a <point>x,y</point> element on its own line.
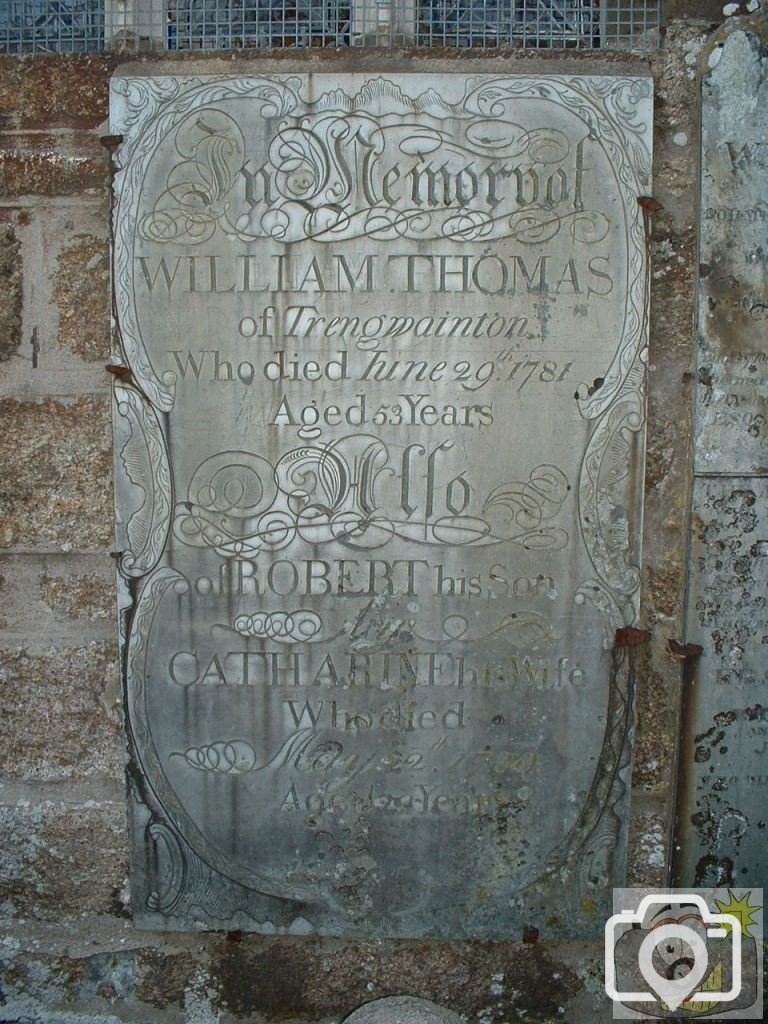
<point>378,464</point>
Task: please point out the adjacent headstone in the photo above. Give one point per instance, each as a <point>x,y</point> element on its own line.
<point>723,809</point>
<point>723,813</point>
<point>732,407</point>
<point>402,1010</point>
<point>378,466</point>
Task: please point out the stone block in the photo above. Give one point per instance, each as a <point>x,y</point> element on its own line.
<point>648,841</point>
<point>654,743</point>
<point>81,293</point>
<point>315,980</point>
<point>55,467</point>
<point>59,91</point>
<point>52,165</point>
<point>10,292</point>
<point>69,598</point>
<point>60,710</point>
<point>88,596</point>
<point>62,989</point>
<point>62,861</point>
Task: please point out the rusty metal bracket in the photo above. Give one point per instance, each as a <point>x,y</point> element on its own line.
<point>684,651</point>
<point>629,636</point>
<point>649,203</point>
<point>117,370</point>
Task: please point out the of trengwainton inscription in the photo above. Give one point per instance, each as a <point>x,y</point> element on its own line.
<point>378,461</point>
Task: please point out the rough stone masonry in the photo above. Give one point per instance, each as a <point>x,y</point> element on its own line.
<point>69,949</point>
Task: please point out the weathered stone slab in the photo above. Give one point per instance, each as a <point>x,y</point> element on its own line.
<point>732,406</point>
<point>723,811</point>
<point>378,462</point>
<point>81,291</point>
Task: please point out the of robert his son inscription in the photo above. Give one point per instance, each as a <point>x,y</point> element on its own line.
<point>378,465</point>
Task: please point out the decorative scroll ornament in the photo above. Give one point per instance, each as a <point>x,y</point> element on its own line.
<point>299,627</point>
<point>494,180</point>
<point>161,583</point>
<point>239,504</point>
<point>143,478</point>
<point>212,150</point>
<point>602,508</point>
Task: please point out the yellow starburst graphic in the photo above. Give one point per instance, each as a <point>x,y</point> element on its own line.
<point>740,909</point>
<point>713,983</point>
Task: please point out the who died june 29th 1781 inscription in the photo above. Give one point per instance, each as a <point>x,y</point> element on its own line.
<point>378,483</point>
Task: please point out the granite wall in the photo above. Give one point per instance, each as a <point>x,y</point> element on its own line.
<point>70,952</point>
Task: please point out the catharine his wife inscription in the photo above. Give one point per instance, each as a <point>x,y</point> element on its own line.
<point>378,460</point>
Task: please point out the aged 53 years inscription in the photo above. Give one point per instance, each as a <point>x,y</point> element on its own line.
<point>378,459</point>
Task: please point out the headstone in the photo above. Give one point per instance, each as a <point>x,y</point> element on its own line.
<point>723,811</point>
<point>402,1010</point>
<point>732,410</point>
<point>378,465</point>
<point>723,814</point>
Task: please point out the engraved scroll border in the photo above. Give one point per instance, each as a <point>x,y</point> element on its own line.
<point>142,467</point>
<point>155,588</point>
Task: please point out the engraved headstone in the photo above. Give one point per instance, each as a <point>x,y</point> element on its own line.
<point>723,812</point>
<point>378,482</point>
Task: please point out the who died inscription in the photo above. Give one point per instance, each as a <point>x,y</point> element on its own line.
<point>379,522</point>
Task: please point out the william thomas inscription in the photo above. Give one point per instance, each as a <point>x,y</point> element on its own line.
<point>378,495</point>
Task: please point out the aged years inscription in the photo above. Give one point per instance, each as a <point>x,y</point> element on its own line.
<point>378,460</point>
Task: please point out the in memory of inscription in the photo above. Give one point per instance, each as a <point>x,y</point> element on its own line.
<point>378,482</point>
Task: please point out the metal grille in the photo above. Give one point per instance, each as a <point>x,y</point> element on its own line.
<point>47,26</point>
<point>224,24</point>
<point>521,22</point>
<point>51,26</point>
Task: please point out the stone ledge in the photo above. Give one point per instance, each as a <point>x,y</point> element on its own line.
<point>51,164</point>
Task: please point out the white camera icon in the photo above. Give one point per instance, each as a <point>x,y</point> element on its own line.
<point>673,987</point>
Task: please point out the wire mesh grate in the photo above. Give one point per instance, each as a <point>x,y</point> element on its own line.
<point>48,26</point>
<point>51,26</point>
